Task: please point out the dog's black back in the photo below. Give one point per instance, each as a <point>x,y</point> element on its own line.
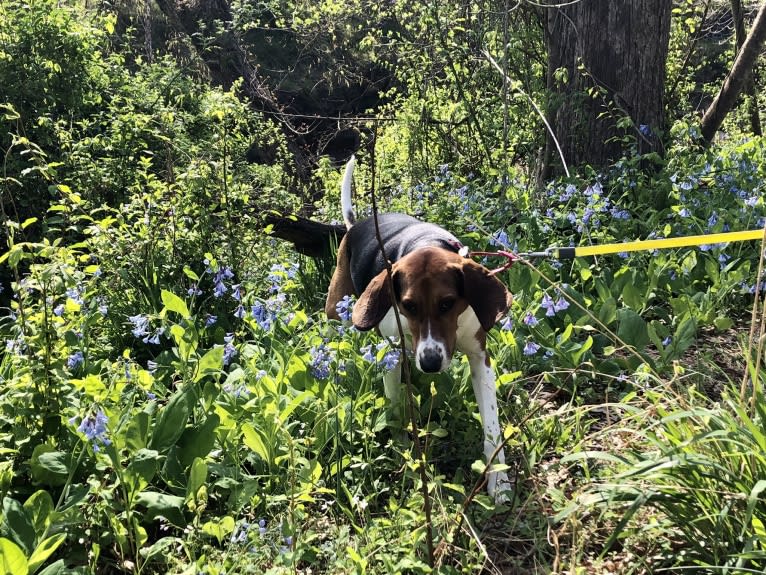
<point>400,233</point>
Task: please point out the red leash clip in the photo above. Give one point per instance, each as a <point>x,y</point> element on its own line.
<point>510,257</point>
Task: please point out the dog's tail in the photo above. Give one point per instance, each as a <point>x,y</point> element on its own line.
<point>346,204</point>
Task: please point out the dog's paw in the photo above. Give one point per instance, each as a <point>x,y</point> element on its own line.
<point>499,487</point>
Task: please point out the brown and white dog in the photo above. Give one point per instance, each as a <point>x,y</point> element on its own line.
<point>446,302</point>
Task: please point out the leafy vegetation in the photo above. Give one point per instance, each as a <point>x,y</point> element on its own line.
<point>174,401</point>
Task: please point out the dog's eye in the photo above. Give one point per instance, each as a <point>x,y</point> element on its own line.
<point>446,305</point>
<point>410,307</point>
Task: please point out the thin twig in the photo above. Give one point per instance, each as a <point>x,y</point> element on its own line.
<point>405,372</point>
<point>515,86</point>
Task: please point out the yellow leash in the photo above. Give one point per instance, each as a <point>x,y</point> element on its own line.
<point>680,242</point>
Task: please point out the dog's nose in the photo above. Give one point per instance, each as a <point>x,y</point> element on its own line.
<point>430,361</point>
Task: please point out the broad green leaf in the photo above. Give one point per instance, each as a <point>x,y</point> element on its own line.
<point>197,441</point>
<point>39,508</point>
<point>255,443</point>
<point>295,402</point>
<point>632,296</point>
<point>197,478</point>
<point>44,550</point>
<point>18,524</point>
<point>56,568</point>
<point>632,329</point>
<point>174,303</point>
<point>684,337</point>
<point>162,505</point>
<point>577,355</point>
<point>219,529</point>
<point>607,314</point>
<point>141,469</point>
<point>172,420</point>
<point>211,363</point>
<point>137,432</point>
<point>12,559</point>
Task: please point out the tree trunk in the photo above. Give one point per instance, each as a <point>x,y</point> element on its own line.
<point>752,96</point>
<point>735,81</point>
<point>607,62</point>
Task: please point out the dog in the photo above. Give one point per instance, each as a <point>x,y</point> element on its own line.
<point>446,302</point>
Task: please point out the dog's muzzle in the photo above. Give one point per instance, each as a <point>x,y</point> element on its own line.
<point>430,360</point>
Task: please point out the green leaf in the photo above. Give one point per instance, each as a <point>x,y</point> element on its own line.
<point>210,364</point>
<point>197,441</point>
<point>56,568</point>
<point>39,508</point>
<point>137,432</point>
<point>632,329</point>
<point>141,469</point>
<point>722,323</point>
<point>294,403</point>
<point>608,311</point>
<point>197,477</point>
<point>174,303</point>
<point>162,505</point>
<point>44,550</point>
<point>18,524</point>
<point>255,443</point>
<point>632,296</point>
<point>685,336</point>
<point>172,420</point>
<point>12,559</point>
<point>219,529</point>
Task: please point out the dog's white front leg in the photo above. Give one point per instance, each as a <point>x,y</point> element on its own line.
<point>392,384</point>
<point>483,380</point>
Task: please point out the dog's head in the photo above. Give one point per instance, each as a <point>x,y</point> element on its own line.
<point>432,287</point>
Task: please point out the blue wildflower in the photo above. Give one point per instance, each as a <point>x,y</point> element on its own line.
<point>684,213</point>
<point>569,191</point>
<point>194,290</point>
<point>619,214</point>
<point>530,320</point>
<point>94,429</point>
<point>367,354</point>
<point>560,305</point>
<point>154,338</point>
<point>58,311</point>
<point>229,351</point>
<point>507,324</point>
<point>499,238</point>
<point>262,316</point>
<point>321,357</point>
<point>75,294</point>
<point>391,359</point>
<point>262,527</point>
<point>236,292</point>
<point>548,304</point>
<point>151,366</point>
<point>210,320</point>
<point>345,307</point>
<point>239,313</point>
<point>645,130</point>
<point>140,325</point>
<point>75,360</point>
<point>531,348</point>
<point>666,342</point>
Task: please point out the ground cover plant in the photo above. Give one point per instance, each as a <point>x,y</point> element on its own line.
<point>174,400</point>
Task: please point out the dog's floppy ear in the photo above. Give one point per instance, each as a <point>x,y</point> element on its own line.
<point>485,294</point>
<point>373,304</point>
